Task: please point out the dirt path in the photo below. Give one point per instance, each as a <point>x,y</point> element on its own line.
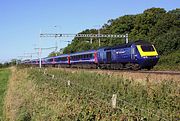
<point>14,99</point>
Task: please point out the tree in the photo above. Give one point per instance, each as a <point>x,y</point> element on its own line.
<point>52,54</point>
<point>1,65</point>
<point>168,42</point>
<point>154,25</point>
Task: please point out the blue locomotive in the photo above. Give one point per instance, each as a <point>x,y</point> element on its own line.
<point>135,55</point>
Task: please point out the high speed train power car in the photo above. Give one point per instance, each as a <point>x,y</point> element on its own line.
<point>135,55</point>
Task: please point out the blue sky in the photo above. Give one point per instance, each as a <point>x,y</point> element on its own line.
<point>22,20</point>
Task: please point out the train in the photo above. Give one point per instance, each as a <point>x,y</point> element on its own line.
<point>135,55</point>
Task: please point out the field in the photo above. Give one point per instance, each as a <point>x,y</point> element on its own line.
<point>58,94</point>
<point>4,76</point>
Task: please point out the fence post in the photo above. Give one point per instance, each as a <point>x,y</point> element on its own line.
<point>69,83</point>
<point>114,98</point>
<point>52,76</point>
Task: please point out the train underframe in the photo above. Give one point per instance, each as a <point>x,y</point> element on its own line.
<point>112,66</point>
<point>120,66</point>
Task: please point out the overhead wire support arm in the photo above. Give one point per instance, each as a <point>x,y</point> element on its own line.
<point>84,35</point>
<point>48,48</point>
<point>31,54</point>
<point>24,56</point>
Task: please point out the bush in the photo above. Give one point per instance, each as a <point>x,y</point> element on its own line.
<point>169,62</point>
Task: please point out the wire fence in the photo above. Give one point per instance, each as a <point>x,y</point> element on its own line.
<point>70,84</point>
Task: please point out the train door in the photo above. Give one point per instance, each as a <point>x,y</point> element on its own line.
<point>132,52</point>
<point>68,58</point>
<point>108,56</point>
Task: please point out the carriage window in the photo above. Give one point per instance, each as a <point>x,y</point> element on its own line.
<point>61,59</point>
<point>50,60</point>
<point>84,56</point>
<point>91,55</point>
<point>57,59</point>
<point>147,48</point>
<point>64,59</point>
<point>72,57</point>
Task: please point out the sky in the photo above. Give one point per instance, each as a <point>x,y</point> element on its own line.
<point>21,21</point>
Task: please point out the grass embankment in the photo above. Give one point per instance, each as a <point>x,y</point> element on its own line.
<point>4,77</point>
<point>33,95</point>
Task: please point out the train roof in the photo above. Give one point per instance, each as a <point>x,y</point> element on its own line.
<point>77,53</point>
<point>138,42</point>
<point>63,55</point>
<point>34,59</point>
<point>83,52</point>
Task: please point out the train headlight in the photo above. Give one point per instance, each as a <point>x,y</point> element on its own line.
<point>145,57</point>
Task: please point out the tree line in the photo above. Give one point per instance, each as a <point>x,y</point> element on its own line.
<point>156,25</point>
<point>8,64</point>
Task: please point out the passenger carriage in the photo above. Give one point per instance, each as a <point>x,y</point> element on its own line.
<point>86,59</point>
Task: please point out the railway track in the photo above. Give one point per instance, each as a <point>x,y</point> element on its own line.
<point>141,75</point>
<point>125,71</point>
<point>130,71</point>
<point>162,72</point>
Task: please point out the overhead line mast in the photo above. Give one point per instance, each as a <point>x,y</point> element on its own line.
<point>40,51</point>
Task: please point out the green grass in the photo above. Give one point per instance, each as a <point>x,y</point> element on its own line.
<point>89,97</point>
<point>164,67</point>
<point>37,96</point>
<point>4,77</point>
